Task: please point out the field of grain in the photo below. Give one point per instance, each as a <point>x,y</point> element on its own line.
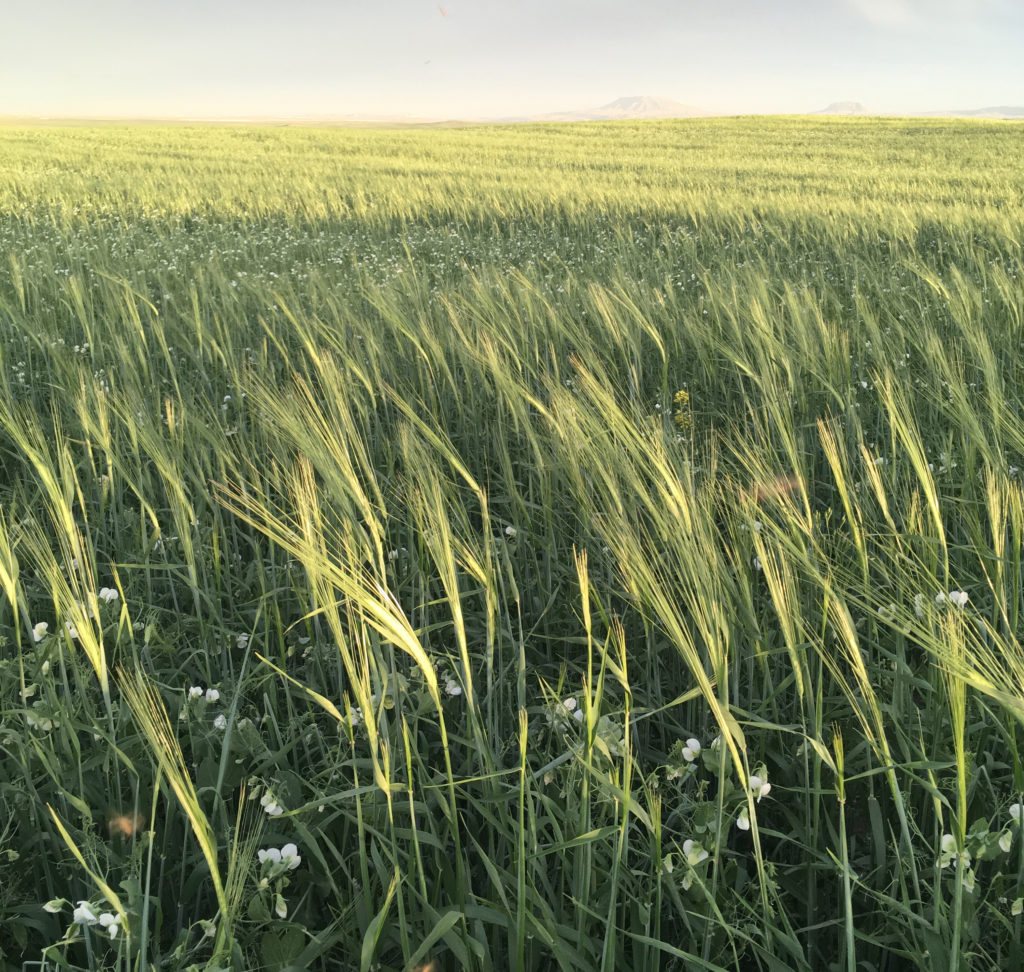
<point>546,547</point>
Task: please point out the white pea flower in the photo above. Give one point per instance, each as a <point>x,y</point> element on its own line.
<point>107,594</point>
<point>83,914</point>
<point>968,880</point>
<point>919,605</point>
<point>194,691</point>
<point>958,598</point>
<point>212,695</point>
<point>1017,907</point>
<point>220,722</point>
<point>271,854</point>
<point>270,805</point>
<point>111,922</point>
<point>510,531</point>
<point>1015,812</point>
<point>40,630</point>
<point>355,716</point>
<point>568,707</point>
<point>691,750</point>
<point>949,853</point>
<point>760,786</point>
<point>280,908</point>
<point>72,630</point>
<point>1005,841</point>
<point>55,905</point>
<point>743,820</point>
<point>451,687</point>
<point>242,641</point>
<point>290,856</point>
<point>694,852</point>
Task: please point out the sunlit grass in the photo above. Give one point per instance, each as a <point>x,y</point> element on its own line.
<point>581,547</point>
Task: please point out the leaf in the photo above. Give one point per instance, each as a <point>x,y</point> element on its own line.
<point>373,930</point>
<point>279,949</point>
<point>442,926</point>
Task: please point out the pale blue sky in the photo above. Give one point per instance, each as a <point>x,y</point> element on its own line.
<point>479,58</point>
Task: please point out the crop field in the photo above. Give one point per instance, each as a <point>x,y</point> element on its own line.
<point>578,547</point>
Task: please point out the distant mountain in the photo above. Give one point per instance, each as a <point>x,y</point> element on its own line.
<point>622,109</point>
<point>843,108</point>
<point>1003,111</point>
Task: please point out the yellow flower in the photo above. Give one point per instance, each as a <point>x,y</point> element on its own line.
<point>681,410</point>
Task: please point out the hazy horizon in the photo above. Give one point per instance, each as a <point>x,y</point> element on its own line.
<point>480,59</point>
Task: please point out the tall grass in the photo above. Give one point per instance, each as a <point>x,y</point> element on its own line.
<point>614,565</point>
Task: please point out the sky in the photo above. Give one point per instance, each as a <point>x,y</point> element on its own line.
<point>473,59</point>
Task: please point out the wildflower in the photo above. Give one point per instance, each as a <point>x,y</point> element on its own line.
<point>760,786</point>
<point>38,719</point>
<point>451,687</point>
<point>949,853</point>
<point>270,805</point>
<point>290,856</point>
<point>111,922</point>
<point>694,852</point>
<point>39,631</point>
<point>272,854</point>
<point>212,695</point>
<point>107,594</point>
<point>83,914</point>
<point>220,722</point>
<point>681,410</point>
<point>691,750</point>
<point>743,820</point>
<point>194,691</point>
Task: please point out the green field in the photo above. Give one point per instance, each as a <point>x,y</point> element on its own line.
<point>544,547</point>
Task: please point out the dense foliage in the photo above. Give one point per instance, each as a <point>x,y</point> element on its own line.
<point>581,547</point>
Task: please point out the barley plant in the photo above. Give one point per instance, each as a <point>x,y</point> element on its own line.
<point>553,547</point>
